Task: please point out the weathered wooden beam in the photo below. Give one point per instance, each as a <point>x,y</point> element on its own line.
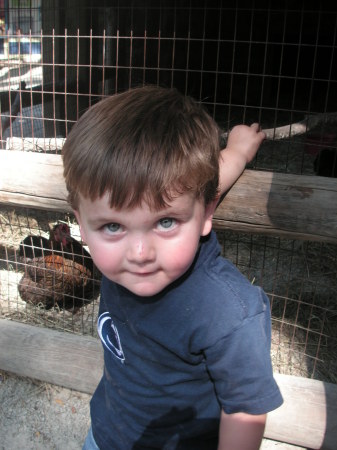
<point>300,207</point>
<point>295,206</point>
<point>32,180</point>
<point>307,418</point>
<point>60,358</point>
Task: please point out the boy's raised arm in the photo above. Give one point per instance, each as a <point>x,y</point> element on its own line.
<point>241,431</point>
<point>242,144</point>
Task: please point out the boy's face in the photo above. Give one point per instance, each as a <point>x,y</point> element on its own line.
<point>140,249</point>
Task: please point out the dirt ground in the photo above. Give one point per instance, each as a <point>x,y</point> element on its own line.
<point>39,416</point>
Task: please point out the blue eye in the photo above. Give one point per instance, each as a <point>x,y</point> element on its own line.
<point>112,228</point>
<point>167,223</point>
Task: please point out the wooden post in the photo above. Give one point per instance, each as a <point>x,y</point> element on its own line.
<point>307,418</point>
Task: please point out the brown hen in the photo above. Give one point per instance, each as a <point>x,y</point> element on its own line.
<point>62,276</point>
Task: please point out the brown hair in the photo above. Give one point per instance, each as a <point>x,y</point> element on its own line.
<point>148,143</point>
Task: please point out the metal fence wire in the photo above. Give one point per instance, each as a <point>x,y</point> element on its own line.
<point>245,61</point>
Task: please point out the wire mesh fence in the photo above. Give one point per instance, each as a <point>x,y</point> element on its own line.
<point>272,64</point>
<point>245,61</point>
<point>65,300</point>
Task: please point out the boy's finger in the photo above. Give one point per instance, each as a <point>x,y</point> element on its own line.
<point>255,126</point>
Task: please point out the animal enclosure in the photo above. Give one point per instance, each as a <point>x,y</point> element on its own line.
<point>245,61</point>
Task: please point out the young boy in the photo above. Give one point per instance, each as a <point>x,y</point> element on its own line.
<point>186,337</point>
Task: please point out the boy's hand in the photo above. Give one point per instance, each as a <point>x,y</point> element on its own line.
<point>242,144</point>
<point>245,140</point>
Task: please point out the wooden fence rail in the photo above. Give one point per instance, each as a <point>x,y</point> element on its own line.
<point>299,207</point>
<point>307,418</point>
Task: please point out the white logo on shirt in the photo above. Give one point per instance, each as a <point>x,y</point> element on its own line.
<point>109,336</point>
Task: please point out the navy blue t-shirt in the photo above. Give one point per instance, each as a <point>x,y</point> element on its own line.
<point>172,361</point>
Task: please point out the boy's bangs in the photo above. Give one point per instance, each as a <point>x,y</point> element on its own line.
<point>156,186</point>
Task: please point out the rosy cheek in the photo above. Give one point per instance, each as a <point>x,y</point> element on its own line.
<point>104,259</point>
<point>107,258</point>
<point>183,257</point>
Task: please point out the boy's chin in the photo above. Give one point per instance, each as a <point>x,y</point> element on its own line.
<point>147,285</point>
<point>145,290</point>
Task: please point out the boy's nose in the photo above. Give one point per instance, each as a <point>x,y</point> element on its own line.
<point>141,250</point>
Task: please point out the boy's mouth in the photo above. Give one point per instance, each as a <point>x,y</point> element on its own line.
<point>143,273</point>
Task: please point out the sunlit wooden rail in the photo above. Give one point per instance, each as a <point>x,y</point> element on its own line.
<point>293,206</point>
<point>307,418</point>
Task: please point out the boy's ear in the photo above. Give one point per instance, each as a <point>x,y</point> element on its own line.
<point>208,218</point>
<point>78,218</point>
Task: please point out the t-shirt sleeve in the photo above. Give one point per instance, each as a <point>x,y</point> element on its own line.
<point>240,366</point>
